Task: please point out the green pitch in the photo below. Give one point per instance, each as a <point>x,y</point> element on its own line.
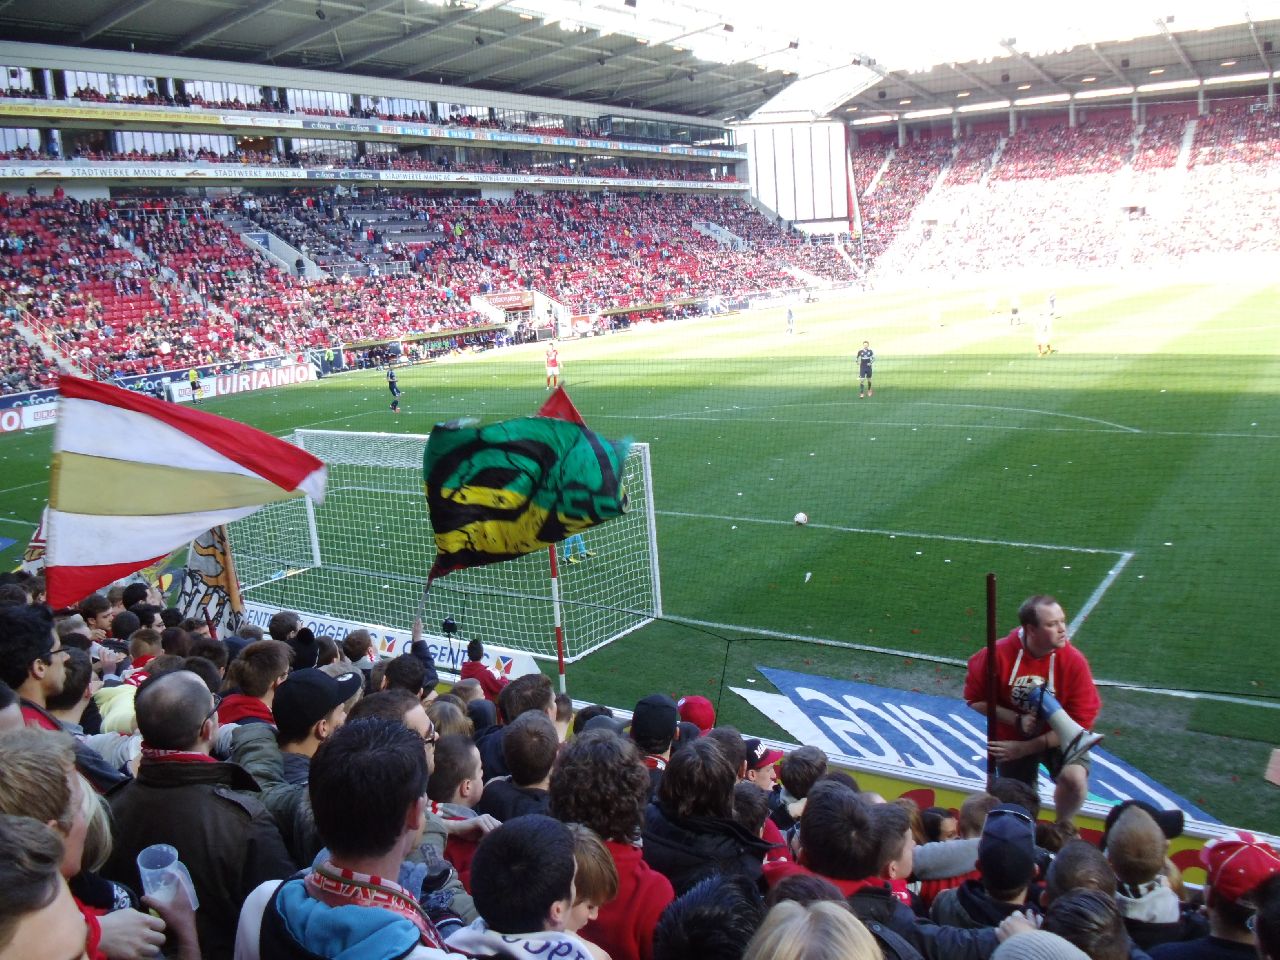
<point>1132,473</point>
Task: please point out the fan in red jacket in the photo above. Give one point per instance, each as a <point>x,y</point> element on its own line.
<point>475,669</point>
<point>1037,653</point>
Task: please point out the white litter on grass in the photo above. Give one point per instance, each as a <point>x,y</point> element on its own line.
<point>1254,424</point>
<point>808,576</point>
<point>919,553</point>
<point>734,527</point>
<point>739,493</point>
<point>751,680</point>
<point>1141,576</point>
<point>1168,543</point>
<point>1066,568</point>
<point>813,454</point>
<point>946,561</point>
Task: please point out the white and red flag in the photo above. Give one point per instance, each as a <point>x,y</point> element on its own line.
<point>134,478</point>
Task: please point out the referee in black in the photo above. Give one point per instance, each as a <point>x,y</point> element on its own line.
<point>866,357</point>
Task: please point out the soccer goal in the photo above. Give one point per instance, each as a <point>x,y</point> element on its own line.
<point>363,557</point>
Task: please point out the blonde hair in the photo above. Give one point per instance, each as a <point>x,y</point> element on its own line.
<point>97,818</point>
<point>450,718</point>
<point>822,930</point>
<point>36,764</point>
<point>596,881</point>
<point>1136,847</point>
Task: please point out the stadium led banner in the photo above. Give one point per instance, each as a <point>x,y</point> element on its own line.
<point>108,113</point>
<point>25,411</point>
<point>511,299</point>
<point>448,655</point>
<point>927,738</point>
<point>179,172</point>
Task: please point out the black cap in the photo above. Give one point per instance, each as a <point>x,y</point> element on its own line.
<point>654,719</point>
<point>307,696</point>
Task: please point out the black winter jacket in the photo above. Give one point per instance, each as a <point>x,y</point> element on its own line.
<point>687,850</point>
<point>227,841</point>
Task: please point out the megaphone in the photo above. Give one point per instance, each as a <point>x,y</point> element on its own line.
<point>1075,740</point>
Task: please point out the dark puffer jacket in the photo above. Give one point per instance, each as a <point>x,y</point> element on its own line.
<point>687,850</point>
<point>969,906</point>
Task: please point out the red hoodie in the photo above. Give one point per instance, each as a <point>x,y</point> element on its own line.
<point>490,683</point>
<point>625,925</point>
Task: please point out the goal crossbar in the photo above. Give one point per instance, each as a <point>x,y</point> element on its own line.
<point>362,557</point>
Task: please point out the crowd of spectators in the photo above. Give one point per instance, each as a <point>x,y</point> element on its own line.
<point>323,801</point>
<point>1160,143</point>
<point>138,286</point>
<point>22,367</point>
<point>1056,151</point>
<point>1244,133</point>
<point>1100,195</point>
<point>911,174</point>
<point>866,160</point>
<point>973,158</point>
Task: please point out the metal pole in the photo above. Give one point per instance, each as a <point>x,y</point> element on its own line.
<point>557,612</point>
<point>993,680</point>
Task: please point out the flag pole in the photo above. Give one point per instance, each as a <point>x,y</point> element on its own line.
<point>993,680</point>
<point>557,612</point>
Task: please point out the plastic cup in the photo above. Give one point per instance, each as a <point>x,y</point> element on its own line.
<point>163,875</point>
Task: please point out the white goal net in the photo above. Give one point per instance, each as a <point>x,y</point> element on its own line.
<point>363,557</point>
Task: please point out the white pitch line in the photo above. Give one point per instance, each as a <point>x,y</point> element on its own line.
<point>820,641</point>
<point>20,523</point>
<point>316,423</point>
<point>1096,597</point>
<point>690,418</point>
<point>953,661</point>
<point>25,486</point>
<point>911,534</point>
<point>1045,413</point>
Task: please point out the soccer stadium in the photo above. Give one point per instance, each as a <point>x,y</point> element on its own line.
<point>380,369</point>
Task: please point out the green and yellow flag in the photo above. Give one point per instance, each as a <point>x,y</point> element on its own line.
<point>500,491</point>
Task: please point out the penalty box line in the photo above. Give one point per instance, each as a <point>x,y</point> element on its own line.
<point>1122,558</point>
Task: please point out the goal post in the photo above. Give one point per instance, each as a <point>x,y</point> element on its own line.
<point>362,557</point>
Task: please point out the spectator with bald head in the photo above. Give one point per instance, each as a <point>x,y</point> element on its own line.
<point>203,808</point>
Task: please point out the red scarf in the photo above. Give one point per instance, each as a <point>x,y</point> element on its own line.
<point>337,887</point>
<point>240,706</point>
<point>174,756</point>
<point>654,762</point>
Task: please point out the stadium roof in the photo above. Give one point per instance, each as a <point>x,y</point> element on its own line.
<point>709,58</point>
<point>1169,64</point>
<point>674,57</point>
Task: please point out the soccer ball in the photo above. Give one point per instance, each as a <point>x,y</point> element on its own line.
<point>801,519</point>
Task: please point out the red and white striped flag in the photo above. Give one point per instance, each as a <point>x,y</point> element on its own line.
<point>134,478</point>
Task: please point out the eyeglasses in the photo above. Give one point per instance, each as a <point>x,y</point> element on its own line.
<point>217,702</point>
<point>430,739</point>
<point>48,657</point>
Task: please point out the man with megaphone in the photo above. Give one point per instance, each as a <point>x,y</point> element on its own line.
<point>1045,703</point>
